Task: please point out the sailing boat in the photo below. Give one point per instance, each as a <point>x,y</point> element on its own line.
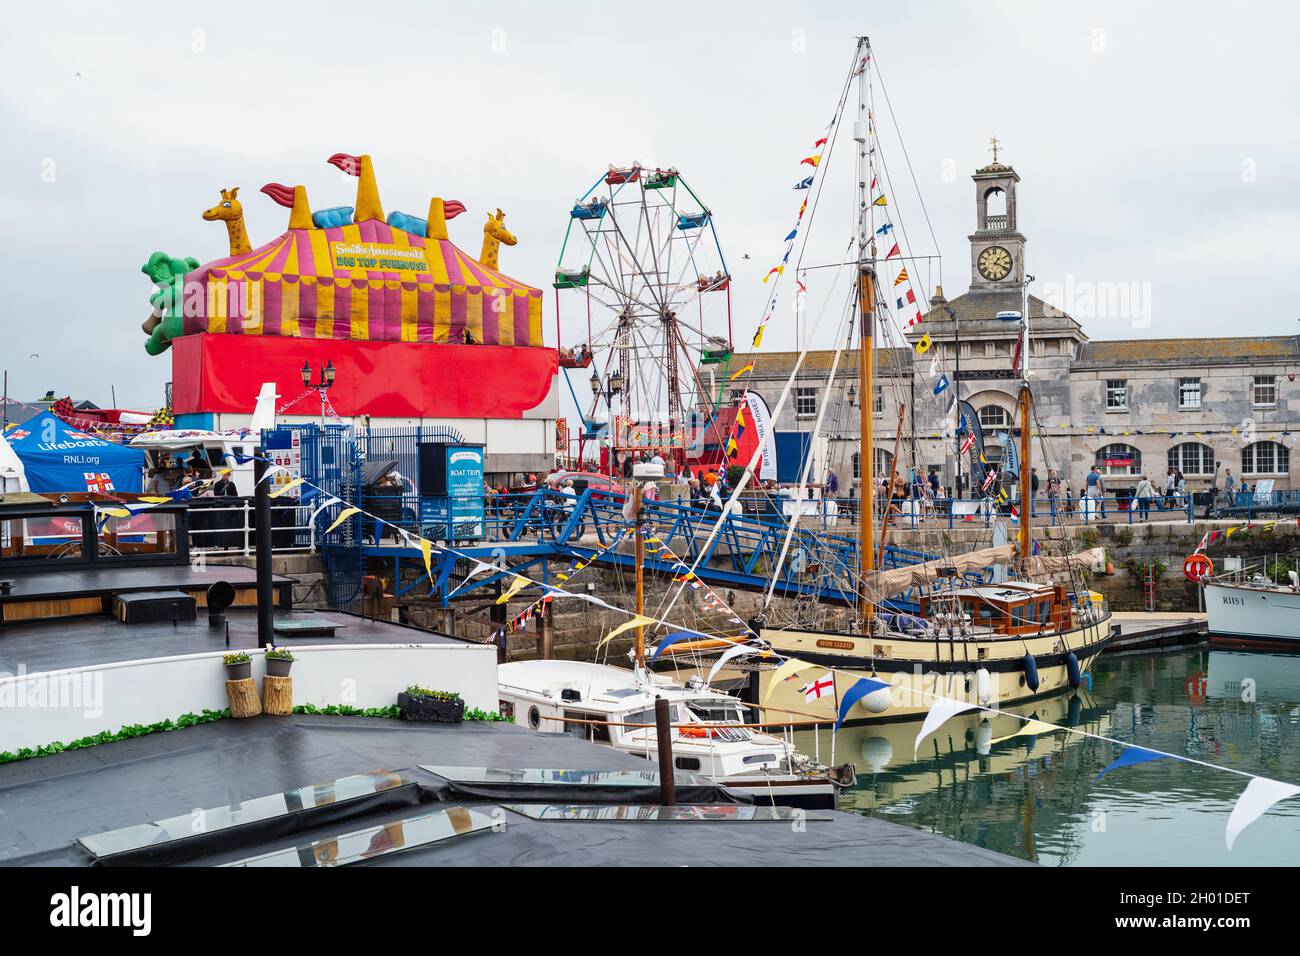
<point>993,644</point>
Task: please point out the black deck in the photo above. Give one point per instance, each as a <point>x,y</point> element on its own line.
<point>51,801</point>
<point>89,641</point>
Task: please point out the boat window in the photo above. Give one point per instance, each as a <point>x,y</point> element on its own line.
<point>716,711</point>
<point>987,612</point>
<point>595,732</point>
<point>686,763</point>
<point>647,716</point>
<point>1018,614</point>
<point>1044,611</point>
<point>761,758</point>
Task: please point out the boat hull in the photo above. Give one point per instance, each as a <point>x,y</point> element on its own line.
<point>920,669</point>
<point>1244,616</point>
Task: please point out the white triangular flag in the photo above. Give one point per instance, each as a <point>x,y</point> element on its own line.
<point>727,655</point>
<point>941,710</point>
<point>1254,802</point>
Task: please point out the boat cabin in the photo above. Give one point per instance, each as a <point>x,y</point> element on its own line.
<point>1016,608</point>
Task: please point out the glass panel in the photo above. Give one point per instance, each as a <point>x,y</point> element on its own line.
<point>201,822</point>
<point>540,777</point>
<point>690,813</point>
<point>58,536</point>
<point>149,532</point>
<point>382,840</point>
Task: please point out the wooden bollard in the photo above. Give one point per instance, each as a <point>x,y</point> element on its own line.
<point>244,701</point>
<point>277,695</point>
<point>664,735</point>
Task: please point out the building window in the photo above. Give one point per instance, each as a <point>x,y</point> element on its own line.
<point>1264,393</point>
<point>1265,458</point>
<point>1116,395</point>
<point>994,416</point>
<point>857,462</point>
<point>1189,393</point>
<point>883,461</point>
<point>878,405</point>
<point>1119,460</point>
<point>805,402</point>
<point>1192,458</point>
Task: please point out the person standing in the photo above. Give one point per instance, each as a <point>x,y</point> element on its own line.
<point>1033,482</point>
<point>1096,490</point>
<point>1144,493</point>
<point>1230,488</point>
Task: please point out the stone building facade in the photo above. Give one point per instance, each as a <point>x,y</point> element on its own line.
<point>1132,407</point>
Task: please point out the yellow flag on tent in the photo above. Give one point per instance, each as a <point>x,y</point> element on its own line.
<point>344,515</point>
<point>287,486</point>
<point>788,669</point>
<point>517,585</point>
<point>638,620</point>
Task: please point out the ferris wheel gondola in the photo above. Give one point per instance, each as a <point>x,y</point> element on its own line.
<point>642,251</point>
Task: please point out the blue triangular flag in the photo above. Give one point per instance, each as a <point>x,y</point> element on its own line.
<point>1132,755</point>
<point>803,183</point>
<point>673,639</point>
<point>860,689</point>
<point>793,233</point>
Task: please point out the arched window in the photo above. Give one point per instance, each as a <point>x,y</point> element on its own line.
<point>1119,460</point>
<point>857,462</point>
<point>1265,458</point>
<point>1192,458</point>
<point>994,416</point>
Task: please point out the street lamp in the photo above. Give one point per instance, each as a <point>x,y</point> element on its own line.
<point>326,380</point>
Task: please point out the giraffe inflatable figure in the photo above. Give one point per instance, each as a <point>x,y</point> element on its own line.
<point>494,234</point>
<point>231,213</point>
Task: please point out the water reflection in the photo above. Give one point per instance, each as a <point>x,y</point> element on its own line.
<point>1028,791</point>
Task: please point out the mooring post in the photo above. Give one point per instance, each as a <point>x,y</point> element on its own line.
<point>663,733</point>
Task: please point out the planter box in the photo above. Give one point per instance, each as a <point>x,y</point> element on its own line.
<point>277,667</point>
<point>239,671</point>
<point>430,709</point>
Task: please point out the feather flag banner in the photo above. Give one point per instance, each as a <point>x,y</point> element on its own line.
<point>940,712</point>
<point>1260,794</point>
<point>344,515</point>
<point>639,620</point>
<point>787,669</point>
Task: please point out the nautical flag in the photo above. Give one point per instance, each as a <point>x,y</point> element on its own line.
<point>815,690</point>
<point>906,299</point>
<point>739,372</point>
<point>1034,549</point>
<point>884,229</point>
<point>894,252</point>
<point>98,481</point>
<point>793,233</point>
<point>798,284</point>
<point>802,206</point>
<point>902,276</point>
<point>758,336</point>
<point>804,183</point>
<point>940,385</point>
<point>819,143</point>
<point>810,160</point>
<point>923,345</point>
<point>779,270</point>
<point>880,201</point>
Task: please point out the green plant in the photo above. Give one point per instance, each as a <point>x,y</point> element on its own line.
<point>239,657</point>
<point>106,736</point>
<point>415,690</point>
<point>343,710</point>
<point>1089,537</point>
<point>1123,537</point>
<point>734,473</point>
<point>279,653</point>
<point>474,713</point>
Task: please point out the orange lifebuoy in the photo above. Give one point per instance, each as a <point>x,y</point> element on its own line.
<point>1197,567</point>
<point>694,732</point>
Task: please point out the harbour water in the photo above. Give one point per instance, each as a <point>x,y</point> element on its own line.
<point>996,784</point>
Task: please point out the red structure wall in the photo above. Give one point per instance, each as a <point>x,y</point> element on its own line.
<point>223,373</point>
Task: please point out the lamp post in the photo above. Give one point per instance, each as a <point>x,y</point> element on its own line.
<point>612,387</point>
<point>323,386</point>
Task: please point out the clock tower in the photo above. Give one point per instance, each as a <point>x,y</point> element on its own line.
<point>997,249</point>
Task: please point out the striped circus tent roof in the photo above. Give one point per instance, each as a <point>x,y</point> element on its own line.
<point>364,281</point>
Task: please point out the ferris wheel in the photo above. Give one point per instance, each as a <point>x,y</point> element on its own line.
<point>642,252</point>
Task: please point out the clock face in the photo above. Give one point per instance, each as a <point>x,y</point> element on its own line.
<point>994,263</point>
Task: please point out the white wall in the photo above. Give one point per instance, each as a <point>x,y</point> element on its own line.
<point>66,705</point>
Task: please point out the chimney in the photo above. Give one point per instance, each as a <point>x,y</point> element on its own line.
<point>937,299</point>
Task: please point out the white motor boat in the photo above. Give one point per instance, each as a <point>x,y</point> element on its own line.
<point>1257,611</point>
<point>709,738</point>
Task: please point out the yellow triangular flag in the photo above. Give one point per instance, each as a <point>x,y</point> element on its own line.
<point>154,499</point>
<point>638,620</point>
<point>517,585</point>
<point>426,552</point>
<point>344,515</point>
<point>739,372</point>
<point>115,512</point>
<point>286,487</point>
<point>788,669</point>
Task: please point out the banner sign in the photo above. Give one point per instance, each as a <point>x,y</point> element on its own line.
<point>377,255</point>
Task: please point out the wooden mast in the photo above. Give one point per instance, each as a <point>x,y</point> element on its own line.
<point>1026,499</point>
<point>866,346</point>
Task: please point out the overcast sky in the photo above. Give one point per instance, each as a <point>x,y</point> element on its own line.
<point>1156,143</point>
